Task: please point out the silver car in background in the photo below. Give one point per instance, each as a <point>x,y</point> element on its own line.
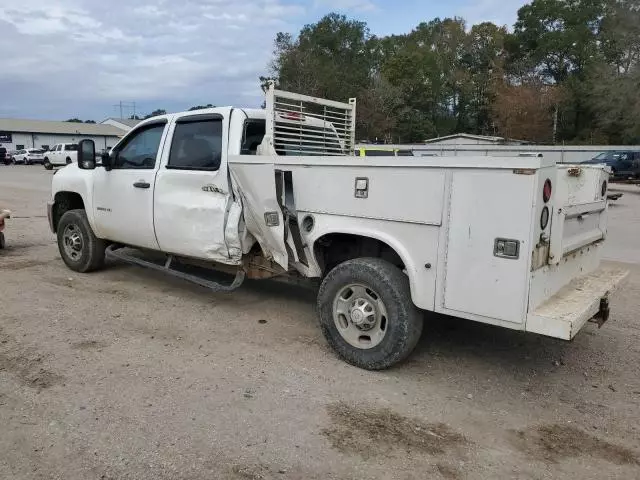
<point>29,156</point>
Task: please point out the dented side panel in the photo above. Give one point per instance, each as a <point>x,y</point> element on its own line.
<point>190,220</point>
<point>257,188</point>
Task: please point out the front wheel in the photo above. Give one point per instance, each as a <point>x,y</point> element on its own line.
<point>47,164</point>
<point>367,315</point>
<point>79,248</point>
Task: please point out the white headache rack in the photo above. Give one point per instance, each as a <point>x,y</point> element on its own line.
<point>303,125</point>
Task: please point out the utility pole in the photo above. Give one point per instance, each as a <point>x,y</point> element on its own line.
<point>127,107</point>
<point>555,124</point>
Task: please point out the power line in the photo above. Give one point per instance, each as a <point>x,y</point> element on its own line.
<point>128,107</point>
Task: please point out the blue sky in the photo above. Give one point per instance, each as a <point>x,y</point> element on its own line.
<point>80,57</point>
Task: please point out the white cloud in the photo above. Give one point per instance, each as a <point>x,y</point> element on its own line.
<point>79,57</point>
<point>500,12</point>
<point>354,5</point>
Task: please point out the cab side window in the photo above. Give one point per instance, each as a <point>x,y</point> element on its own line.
<point>141,149</point>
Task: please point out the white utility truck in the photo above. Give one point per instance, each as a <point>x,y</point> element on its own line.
<point>278,192</point>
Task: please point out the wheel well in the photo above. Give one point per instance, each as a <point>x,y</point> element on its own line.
<point>65,201</point>
<point>335,248</point>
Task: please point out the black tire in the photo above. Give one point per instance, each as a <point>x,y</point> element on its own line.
<point>2,242</point>
<point>47,164</point>
<point>27,162</point>
<point>404,321</point>
<point>91,253</point>
<point>7,161</point>
<point>68,160</point>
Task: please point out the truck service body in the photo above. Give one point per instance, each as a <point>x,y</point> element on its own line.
<point>278,192</point>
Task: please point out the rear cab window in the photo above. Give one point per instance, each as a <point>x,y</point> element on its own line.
<point>254,131</point>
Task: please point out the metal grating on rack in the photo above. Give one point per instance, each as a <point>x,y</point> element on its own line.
<point>303,125</point>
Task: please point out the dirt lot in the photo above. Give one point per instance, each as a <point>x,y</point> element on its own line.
<point>127,374</point>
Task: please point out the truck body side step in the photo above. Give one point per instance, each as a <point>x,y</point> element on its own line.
<point>113,251</point>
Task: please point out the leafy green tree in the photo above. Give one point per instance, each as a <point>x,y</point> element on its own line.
<point>559,38</point>
<point>201,107</point>
<point>156,113</point>
<point>74,120</point>
<point>574,61</point>
<point>331,58</point>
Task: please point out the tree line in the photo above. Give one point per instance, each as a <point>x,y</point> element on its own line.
<point>567,72</point>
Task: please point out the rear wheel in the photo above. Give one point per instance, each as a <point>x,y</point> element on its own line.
<point>68,160</point>
<point>367,315</point>
<point>47,164</point>
<point>80,249</point>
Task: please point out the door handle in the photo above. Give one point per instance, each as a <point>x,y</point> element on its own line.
<point>141,184</point>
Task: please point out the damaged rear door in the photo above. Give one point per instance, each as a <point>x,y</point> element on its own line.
<point>194,210</point>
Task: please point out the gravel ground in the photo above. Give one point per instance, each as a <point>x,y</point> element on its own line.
<point>128,374</point>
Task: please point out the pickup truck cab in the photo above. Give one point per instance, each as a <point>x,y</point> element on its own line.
<point>624,164</point>
<point>60,155</point>
<point>278,193</point>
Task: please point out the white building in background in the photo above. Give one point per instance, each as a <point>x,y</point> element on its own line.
<point>124,124</point>
<point>17,134</point>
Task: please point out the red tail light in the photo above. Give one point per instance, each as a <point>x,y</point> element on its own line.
<point>546,191</point>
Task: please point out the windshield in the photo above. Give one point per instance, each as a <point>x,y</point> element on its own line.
<point>612,156</point>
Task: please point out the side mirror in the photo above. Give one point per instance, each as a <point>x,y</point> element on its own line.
<point>87,155</point>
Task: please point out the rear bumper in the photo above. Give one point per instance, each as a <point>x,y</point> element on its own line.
<point>564,314</point>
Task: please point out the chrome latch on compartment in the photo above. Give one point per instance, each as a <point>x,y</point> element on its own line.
<point>506,248</point>
<point>362,187</point>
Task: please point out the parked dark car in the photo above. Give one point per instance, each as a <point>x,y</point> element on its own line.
<point>624,163</point>
<point>4,156</point>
